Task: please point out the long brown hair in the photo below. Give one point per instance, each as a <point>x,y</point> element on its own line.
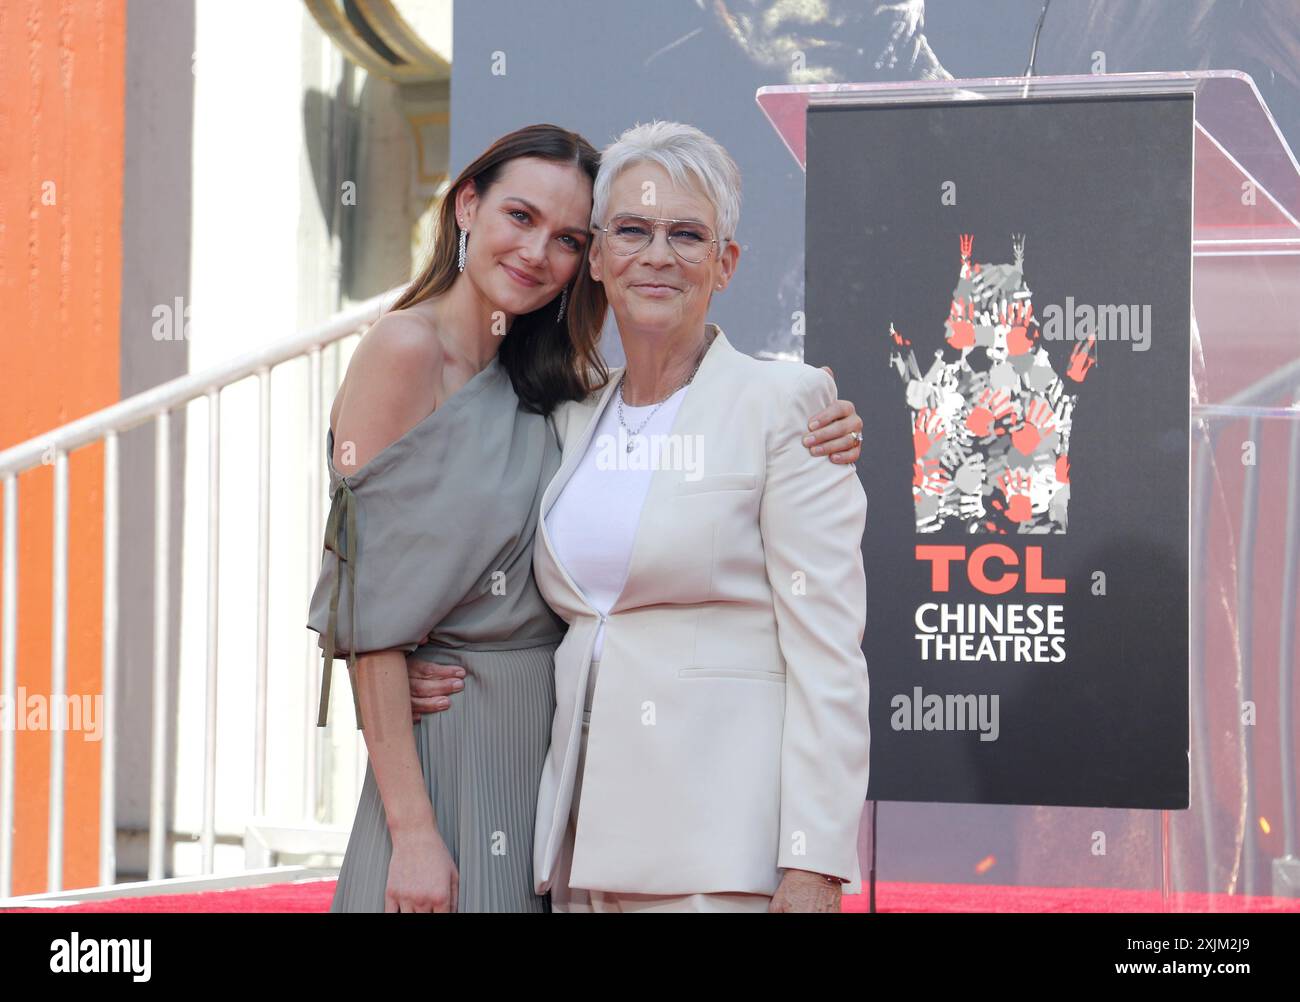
<point>548,361</point>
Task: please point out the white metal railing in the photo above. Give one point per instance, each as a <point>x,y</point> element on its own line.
<point>107,425</point>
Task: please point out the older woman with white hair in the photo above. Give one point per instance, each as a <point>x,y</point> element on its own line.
<point>710,743</point>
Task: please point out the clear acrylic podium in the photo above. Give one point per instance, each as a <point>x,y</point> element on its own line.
<point>1239,835</point>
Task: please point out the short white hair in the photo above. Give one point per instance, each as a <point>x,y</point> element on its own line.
<point>688,155</point>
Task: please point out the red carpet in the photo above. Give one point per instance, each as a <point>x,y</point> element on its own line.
<point>315,895</point>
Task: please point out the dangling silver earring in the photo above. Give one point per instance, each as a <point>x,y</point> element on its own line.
<point>564,302</point>
<point>460,258</point>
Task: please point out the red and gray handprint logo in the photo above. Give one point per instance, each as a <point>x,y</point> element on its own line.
<point>991,426</point>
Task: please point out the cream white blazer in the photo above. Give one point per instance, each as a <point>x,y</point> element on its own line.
<point>729,732</point>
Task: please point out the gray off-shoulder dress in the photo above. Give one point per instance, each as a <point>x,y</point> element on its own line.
<point>434,538</point>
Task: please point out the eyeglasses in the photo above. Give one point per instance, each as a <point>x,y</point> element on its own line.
<point>627,234</point>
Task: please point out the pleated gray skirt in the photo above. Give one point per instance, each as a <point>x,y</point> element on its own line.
<point>482,762</point>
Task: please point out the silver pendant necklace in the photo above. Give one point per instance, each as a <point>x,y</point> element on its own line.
<point>631,435</point>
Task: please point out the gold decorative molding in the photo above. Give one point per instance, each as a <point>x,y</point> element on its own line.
<point>430,169</point>
<point>390,26</point>
<point>416,61</point>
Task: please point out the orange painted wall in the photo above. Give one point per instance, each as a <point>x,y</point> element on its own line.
<point>62,77</point>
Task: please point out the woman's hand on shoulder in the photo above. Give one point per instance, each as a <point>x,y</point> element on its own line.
<point>831,431</point>
<point>391,387</point>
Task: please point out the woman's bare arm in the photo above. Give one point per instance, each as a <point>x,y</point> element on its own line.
<point>422,877</point>
<point>391,387</point>
<point>385,698</point>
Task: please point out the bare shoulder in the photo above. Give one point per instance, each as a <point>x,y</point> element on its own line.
<point>398,341</point>
<point>392,384</point>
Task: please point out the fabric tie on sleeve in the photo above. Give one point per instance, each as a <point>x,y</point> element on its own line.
<point>343,507</point>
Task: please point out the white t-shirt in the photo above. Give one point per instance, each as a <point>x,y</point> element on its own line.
<point>593,522</point>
